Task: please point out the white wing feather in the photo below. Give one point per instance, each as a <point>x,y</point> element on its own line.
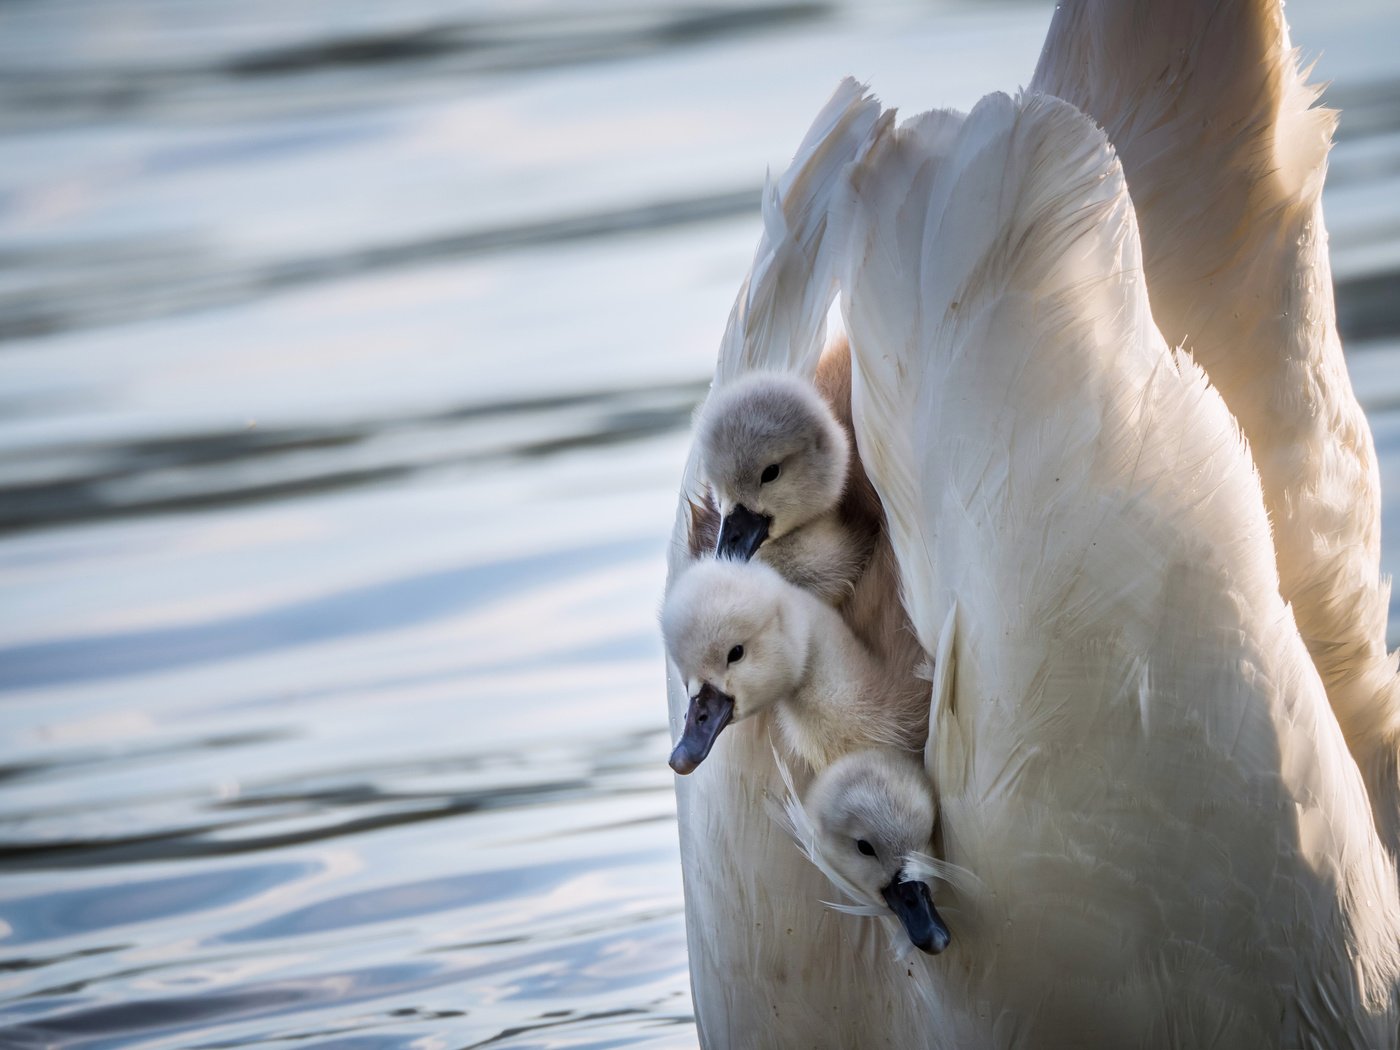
<point>779,318</point>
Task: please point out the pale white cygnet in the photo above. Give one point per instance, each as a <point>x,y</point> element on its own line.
<point>747,641</point>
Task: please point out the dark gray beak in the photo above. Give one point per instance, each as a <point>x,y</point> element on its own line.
<point>910,900</point>
<point>710,711</point>
<point>741,532</point>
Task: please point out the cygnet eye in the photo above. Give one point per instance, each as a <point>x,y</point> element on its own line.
<point>736,654</point>
<point>865,847</point>
<point>770,473</point>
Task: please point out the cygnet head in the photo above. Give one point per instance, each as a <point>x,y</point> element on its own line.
<point>872,811</point>
<point>774,456</point>
<point>731,629</point>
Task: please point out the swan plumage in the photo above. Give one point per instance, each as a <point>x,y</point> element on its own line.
<point>1137,754</point>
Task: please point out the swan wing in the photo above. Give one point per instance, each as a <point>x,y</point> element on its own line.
<point>1225,151</point>
<point>779,318</point>
<point>1175,842</point>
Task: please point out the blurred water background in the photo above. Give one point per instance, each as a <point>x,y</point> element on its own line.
<point>347,351</point>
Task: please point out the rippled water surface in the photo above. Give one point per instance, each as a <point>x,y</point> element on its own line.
<point>346,356</point>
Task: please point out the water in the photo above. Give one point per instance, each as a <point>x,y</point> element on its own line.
<point>346,356</point>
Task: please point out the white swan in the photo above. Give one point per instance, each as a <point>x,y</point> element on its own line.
<point>1211,117</point>
<point>1137,755</point>
<point>746,641</point>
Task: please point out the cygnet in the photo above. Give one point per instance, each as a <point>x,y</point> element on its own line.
<point>746,642</point>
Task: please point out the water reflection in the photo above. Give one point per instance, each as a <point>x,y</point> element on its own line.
<point>100,907</point>
<point>154,474</point>
<point>82,77</point>
<point>395,604</point>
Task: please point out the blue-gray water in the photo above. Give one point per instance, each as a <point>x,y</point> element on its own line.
<point>346,356</point>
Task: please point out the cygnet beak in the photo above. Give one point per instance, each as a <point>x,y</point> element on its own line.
<point>910,900</point>
<point>709,712</point>
<point>741,532</point>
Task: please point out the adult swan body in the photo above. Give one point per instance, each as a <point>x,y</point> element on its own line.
<point>1137,756</point>
<point>1126,937</point>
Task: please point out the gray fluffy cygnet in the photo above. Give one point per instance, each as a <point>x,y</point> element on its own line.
<point>776,461</point>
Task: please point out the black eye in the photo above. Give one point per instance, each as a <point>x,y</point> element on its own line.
<point>770,473</point>
<point>865,847</point>
<point>736,654</point>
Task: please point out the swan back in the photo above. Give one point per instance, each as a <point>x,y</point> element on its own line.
<point>1147,775</point>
